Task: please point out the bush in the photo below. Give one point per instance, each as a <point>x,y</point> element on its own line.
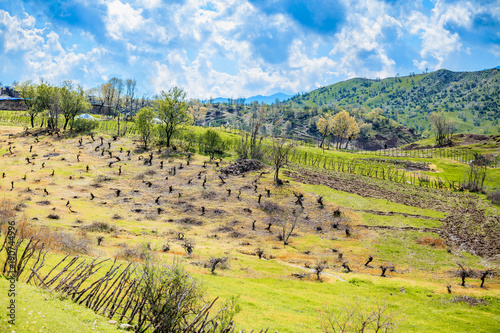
<point>70,243</point>
<point>353,317</point>
<point>495,197</point>
<point>98,227</point>
<point>84,125</point>
<point>173,302</point>
<point>212,144</point>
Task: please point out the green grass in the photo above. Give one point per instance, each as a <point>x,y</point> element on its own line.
<point>270,296</point>
<point>288,305</point>
<point>38,310</point>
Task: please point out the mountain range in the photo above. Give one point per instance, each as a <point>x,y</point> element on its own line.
<point>259,98</point>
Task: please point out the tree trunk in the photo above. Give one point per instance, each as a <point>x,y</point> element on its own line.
<point>322,142</point>
<point>66,123</point>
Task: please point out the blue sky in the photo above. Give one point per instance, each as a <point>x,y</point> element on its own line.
<point>242,48</point>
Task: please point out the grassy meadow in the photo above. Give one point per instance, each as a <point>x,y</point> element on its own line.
<point>157,206</point>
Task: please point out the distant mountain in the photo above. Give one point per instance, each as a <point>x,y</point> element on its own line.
<point>259,98</point>
<point>268,99</point>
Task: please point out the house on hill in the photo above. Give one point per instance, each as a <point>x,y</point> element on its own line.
<point>10,100</point>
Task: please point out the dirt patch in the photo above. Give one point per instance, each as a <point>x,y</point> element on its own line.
<point>472,301</point>
<point>470,139</point>
<point>388,227</point>
<point>377,212</point>
<point>419,197</point>
<point>407,165</point>
<point>470,229</point>
<point>190,221</point>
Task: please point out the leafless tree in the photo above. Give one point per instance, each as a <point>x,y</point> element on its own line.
<point>213,262</point>
<point>188,245</point>
<point>463,273</point>
<point>353,317</point>
<point>485,274</point>
<point>443,128</point>
<point>319,267</point>
<point>288,225</point>
<point>476,174</point>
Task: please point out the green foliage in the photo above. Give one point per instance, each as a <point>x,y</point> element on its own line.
<point>212,143</point>
<point>469,99</point>
<point>84,125</point>
<point>171,295</point>
<point>172,111</point>
<point>144,125</point>
<point>72,102</point>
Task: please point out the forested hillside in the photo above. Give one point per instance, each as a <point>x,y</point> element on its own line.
<point>470,99</point>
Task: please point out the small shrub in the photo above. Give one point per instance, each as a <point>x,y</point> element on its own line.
<point>434,242</point>
<point>470,300</point>
<point>71,243</point>
<point>98,227</point>
<point>128,254</point>
<point>271,207</point>
<point>190,221</point>
<point>358,318</point>
<point>495,197</point>
<point>210,195</point>
<point>7,211</point>
<point>84,125</point>
<point>140,252</point>
<point>188,245</point>
<point>53,216</point>
<point>221,262</point>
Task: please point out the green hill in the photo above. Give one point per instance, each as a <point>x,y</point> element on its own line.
<point>470,99</point>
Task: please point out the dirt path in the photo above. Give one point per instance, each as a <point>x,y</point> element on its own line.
<point>378,212</point>
<point>387,227</point>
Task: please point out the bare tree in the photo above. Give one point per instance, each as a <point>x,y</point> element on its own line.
<point>443,128</point>
<point>288,225</point>
<point>352,317</point>
<point>213,262</point>
<point>476,174</point>
<point>130,85</point>
<point>463,273</point>
<point>279,154</point>
<point>319,267</point>
<point>117,86</point>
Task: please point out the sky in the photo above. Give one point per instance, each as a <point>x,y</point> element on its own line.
<point>230,48</point>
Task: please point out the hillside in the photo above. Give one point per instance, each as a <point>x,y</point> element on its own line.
<point>470,99</point>
<point>373,241</point>
<point>299,122</point>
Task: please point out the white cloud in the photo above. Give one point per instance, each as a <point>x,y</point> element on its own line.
<point>230,48</point>
<point>19,34</point>
<point>122,18</point>
<point>438,42</point>
<point>42,54</point>
<point>363,34</point>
